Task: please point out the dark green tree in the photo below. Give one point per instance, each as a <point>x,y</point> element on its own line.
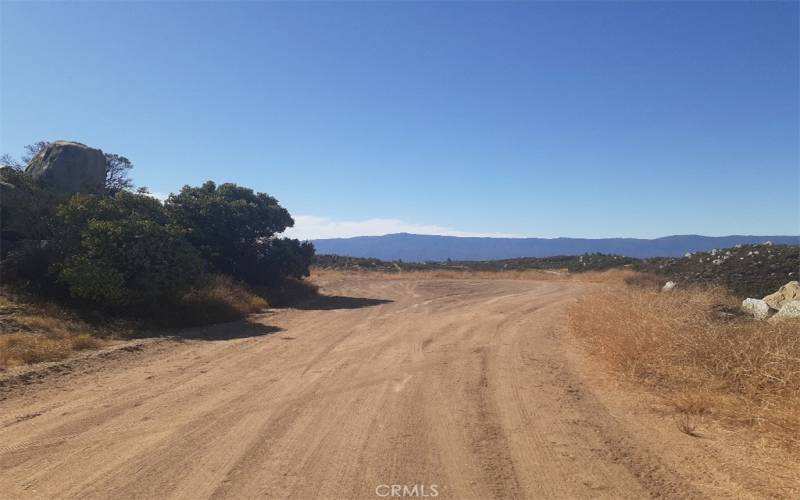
<point>118,173</point>
<point>280,258</point>
<point>234,229</point>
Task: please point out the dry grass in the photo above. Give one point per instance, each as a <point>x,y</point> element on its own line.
<point>609,276</point>
<point>739,372</point>
<point>289,292</point>
<point>223,299</point>
<point>528,274</point>
<point>32,333</point>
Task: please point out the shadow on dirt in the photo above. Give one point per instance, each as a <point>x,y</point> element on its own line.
<point>228,331</point>
<point>326,302</point>
<point>248,328</point>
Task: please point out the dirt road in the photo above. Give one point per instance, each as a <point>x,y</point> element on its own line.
<point>448,388</point>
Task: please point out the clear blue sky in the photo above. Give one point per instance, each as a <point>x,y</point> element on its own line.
<point>535,119</point>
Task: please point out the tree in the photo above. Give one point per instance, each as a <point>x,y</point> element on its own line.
<point>117,171</point>
<point>6,160</point>
<point>234,229</point>
<point>279,258</point>
<point>32,150</point>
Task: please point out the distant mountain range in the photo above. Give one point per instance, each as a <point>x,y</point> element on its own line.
<point>422,247</point>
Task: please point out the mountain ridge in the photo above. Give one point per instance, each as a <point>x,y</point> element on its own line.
<point>425,247</point>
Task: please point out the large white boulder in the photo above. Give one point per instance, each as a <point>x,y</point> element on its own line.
<point>757,308</point>
<point>788,292</point>
<point>790,309</point>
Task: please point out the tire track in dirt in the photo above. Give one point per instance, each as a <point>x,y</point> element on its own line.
<point>457,383</point>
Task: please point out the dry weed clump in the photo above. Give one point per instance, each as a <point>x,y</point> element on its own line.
<point>289,292</point>
<point>736,370</point>
<point>31,333</point>
<point>222,299</point>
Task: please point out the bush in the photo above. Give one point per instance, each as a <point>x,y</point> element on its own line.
<point>122,251</point>
<point>27,210</point>
<point>27,217</point>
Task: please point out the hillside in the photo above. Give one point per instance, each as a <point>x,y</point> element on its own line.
<point>421,248</point>
<point>575,263</point>
<point>746,270</point>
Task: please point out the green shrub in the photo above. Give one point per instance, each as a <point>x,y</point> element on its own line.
<point>128,250</point>
<point>122,251</point>
<point>27,214</point>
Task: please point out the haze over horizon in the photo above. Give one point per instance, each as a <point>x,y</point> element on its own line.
<point>463,119</point>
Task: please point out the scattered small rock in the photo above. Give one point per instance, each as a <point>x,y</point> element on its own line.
<point>668,286</point>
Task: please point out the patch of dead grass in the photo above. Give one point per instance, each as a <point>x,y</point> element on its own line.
<point>290,292</point>
<point>222,299</point>
<point>34,333</point>
<point>742,373</point>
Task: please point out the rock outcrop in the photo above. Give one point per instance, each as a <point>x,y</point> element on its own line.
<point>790,309</point>
<point>786,301</point>
<point>788,292</point>
<point>69,167</point>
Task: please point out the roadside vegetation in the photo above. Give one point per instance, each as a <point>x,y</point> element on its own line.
<point>34,332</point>
<point>207,254</point>
<point>572,263</point>
<point>693,348</point>
<point>745,270</point>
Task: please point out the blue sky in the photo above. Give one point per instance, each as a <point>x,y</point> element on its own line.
<point>532,119</point>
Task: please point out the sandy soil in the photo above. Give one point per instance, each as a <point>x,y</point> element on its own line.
<point>451,388</point>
